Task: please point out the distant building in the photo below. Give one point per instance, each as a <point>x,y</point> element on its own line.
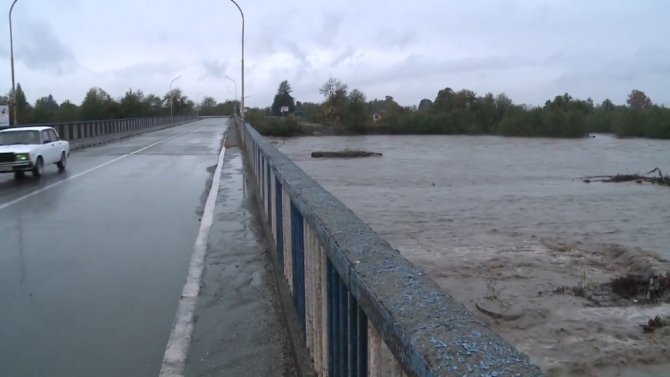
<point>4,116</point>
<point>377,116</point>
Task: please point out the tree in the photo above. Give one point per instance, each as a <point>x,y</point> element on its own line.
<point>465,99</point>
<point>180,103</point>
<point>22,106</point>
<point>208,106</point>
<point>67,112</point>
<point>336,99</point>
<point>154,104</point>
<point>333,89</point>
<point>638,100</point>
<point>357,117</point>
<point>98,105</point>
<point>283,100</point>
<point>607,105</point>
<point>45,109</point>
<point>133,105</point>
<point>311,111</point>
<point>486,114</point>
<point>227,108</point>
<point>444,100</point>
<point>425,104</point>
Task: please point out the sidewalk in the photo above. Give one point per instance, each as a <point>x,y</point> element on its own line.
<point>239,329</point>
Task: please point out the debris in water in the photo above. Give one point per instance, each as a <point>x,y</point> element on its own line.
<point>653,324</point>
<point>660,180</point>
<point>347,153</point>
<point>498,314</point>
<point>650,287</point>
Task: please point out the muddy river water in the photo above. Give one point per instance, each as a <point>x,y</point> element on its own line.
<point>503,223</point>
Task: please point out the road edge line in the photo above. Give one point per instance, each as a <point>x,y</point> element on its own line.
<point>176,351</point>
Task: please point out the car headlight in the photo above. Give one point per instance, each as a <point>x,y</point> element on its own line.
<point>23,157</point>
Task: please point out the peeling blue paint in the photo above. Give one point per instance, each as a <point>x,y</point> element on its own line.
<point>438,343</point>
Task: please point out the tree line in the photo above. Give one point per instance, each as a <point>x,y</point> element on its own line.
<point>465,112</point>
<point>99,105</point>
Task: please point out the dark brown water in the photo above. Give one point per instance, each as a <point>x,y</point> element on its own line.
<point>492,191</point>
<point>508,217</point>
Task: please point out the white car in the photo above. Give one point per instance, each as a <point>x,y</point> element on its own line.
<point>25,149</point>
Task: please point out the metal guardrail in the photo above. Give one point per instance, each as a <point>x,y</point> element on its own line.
<point>363,309</point>
<point>80,132</point>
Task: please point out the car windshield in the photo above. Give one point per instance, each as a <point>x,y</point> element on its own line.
<point>19,137</point>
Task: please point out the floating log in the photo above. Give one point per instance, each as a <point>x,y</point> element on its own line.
<point>345,154</point>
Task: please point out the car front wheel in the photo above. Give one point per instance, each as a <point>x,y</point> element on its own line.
<point>39,167</point>
<point>62,164</point>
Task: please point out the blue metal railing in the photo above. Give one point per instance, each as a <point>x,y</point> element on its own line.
<point>298,257</point>
<point>279,211</point>
<point>347,330</point>
<point>269,192</point>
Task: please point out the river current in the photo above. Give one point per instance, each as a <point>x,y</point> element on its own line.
<point>508,217</point>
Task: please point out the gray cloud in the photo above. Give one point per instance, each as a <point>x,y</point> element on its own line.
<point>392,38</point>
<point>330,28</point>
<point>161,68</point>
<point>344,56</point>
<point>213,69</point>
<point>42,49</point>
<point>532,50</point>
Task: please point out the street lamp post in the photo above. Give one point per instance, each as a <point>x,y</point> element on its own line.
<point>241,98</point>
<point>11,49</point>
<point>197,105</point>
<point>171,96</point>
<point>234,83</point>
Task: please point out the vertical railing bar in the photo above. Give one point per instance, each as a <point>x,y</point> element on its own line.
<point>325,313</point>
<point>279,212</point>
<point>269,193</point>
<point>313,271</point>
<point>307,241</point>
<point>297,239</point>
<point>362,345</point>
<point>335,330</point>
<point>375,352</point>
<point>344,326</point>
<point>288,245</point>
<point>272,182</point>
<point>317,301</point>
<point>352,342</point>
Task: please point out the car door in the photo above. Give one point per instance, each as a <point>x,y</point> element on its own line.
<point>49,148</point>
<point>58,144</point>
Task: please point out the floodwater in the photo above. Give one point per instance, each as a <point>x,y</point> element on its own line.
<point>497,222</point>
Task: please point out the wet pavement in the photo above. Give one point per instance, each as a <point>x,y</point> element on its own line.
<point>239,329</point>
<point>92,261</point>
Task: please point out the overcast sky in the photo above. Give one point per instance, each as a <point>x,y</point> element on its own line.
<point>531,50</point>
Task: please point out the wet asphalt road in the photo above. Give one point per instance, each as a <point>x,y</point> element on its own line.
<point>93,262</point>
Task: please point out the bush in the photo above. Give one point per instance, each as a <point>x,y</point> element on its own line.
<point>281,127</point>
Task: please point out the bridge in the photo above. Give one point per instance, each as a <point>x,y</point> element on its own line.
<point>195,248</point>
